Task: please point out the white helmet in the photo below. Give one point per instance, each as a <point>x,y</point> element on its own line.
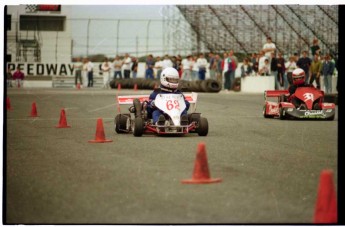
<point>170,78</point>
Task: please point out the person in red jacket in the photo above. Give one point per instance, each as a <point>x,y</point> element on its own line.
<point>18,77</point>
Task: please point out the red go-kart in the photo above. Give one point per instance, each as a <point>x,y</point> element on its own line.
<point>305,103</point>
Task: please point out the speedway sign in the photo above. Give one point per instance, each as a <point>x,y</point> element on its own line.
<point>43,69</point>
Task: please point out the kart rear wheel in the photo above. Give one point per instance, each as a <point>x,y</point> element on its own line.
<point>121,123</point>
<point>138,127</point>
<point>203,127</point>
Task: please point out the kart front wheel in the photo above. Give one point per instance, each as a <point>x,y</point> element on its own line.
<point>138,127</point>
<point>203,127</point>
<point>121,123</point>
<point>281,114</point>
<point>264,112</point>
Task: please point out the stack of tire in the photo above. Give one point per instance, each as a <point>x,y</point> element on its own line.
<point>208,85</point>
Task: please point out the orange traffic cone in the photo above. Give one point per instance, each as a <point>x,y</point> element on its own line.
<point>119,87</point>
<point>33,110</point>
<point>135,87</point>
<point>100,136</point>
<point>78,86</point>
<point>8,104</point>
<point>326,210</point>
<point>201,173</point>
<point>63,120</point>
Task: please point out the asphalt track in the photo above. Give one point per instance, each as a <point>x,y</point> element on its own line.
<point>270,168</point>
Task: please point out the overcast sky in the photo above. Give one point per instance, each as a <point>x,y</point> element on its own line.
<point>103,34</point>
<point>117,11</point>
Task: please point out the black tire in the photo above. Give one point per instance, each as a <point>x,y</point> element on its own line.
<point>138,127</point>
<point>281,115</point>
<point>264,113</point>
<point>195,86</point>
<point>112,83</point>
<point>137,106</point>
<point>213,86</point>
<point>331,118</point>
<point>203,127</point>
<point>120,123</point>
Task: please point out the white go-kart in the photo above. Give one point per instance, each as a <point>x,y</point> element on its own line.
<point>139,122</point>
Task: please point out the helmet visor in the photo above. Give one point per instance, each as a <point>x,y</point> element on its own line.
<point>173,80</point>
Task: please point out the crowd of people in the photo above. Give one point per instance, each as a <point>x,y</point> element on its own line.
<point>267,62</point>
<point>270,62</point>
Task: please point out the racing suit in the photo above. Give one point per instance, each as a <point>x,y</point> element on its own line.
<point>153,112</point>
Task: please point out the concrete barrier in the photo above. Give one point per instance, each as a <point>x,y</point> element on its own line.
<point>257,84</point>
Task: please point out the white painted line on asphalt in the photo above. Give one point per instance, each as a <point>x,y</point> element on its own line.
<point>101,108</point>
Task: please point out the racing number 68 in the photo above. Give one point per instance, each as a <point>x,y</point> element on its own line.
<point>171,105</point>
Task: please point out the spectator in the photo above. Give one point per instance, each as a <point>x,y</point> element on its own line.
<point>265,70</point>
<point>227,70</point>
<point>280,69</point>
<point>84,73</point>
<point>304,63</point>
<point>327,71</point>
<point>9,77</point>
<point>261,62</point>
<point>246,69</point>
<point>290,66</point>
<point>195,68</point>
<point>315,69</point>
<point>134,67</point>
<point>106,72</point>
<point>269,48</point>
<point>78,66</point>
<point>202,64</point>
<point>149,67</point>
<point>212,66</point>
<point>166,62</point>
<point>254,59</point>
<point>89,66</point>
<point>255,63</point>
<point>274,70</point>
<point>187,68</point>
<point>18,77</point>
<point>296,56</point>
<point>234,62</point>
<point>219,70</point>
<point>127,66</point>
<point>117,65</point>
<point>158,67</point>
<point>315,48</point>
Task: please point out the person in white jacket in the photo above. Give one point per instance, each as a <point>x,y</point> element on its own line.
<point>202,65</point>
<point>106,67</point>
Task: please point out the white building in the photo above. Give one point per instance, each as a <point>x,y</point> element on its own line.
<point>38,33</point>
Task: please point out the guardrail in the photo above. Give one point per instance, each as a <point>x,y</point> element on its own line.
<point>69,81</point>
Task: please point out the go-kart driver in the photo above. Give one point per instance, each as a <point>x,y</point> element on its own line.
<point>298,79</point>
<point>169,82</point>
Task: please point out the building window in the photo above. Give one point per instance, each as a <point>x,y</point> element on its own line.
<point>42,23</point>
